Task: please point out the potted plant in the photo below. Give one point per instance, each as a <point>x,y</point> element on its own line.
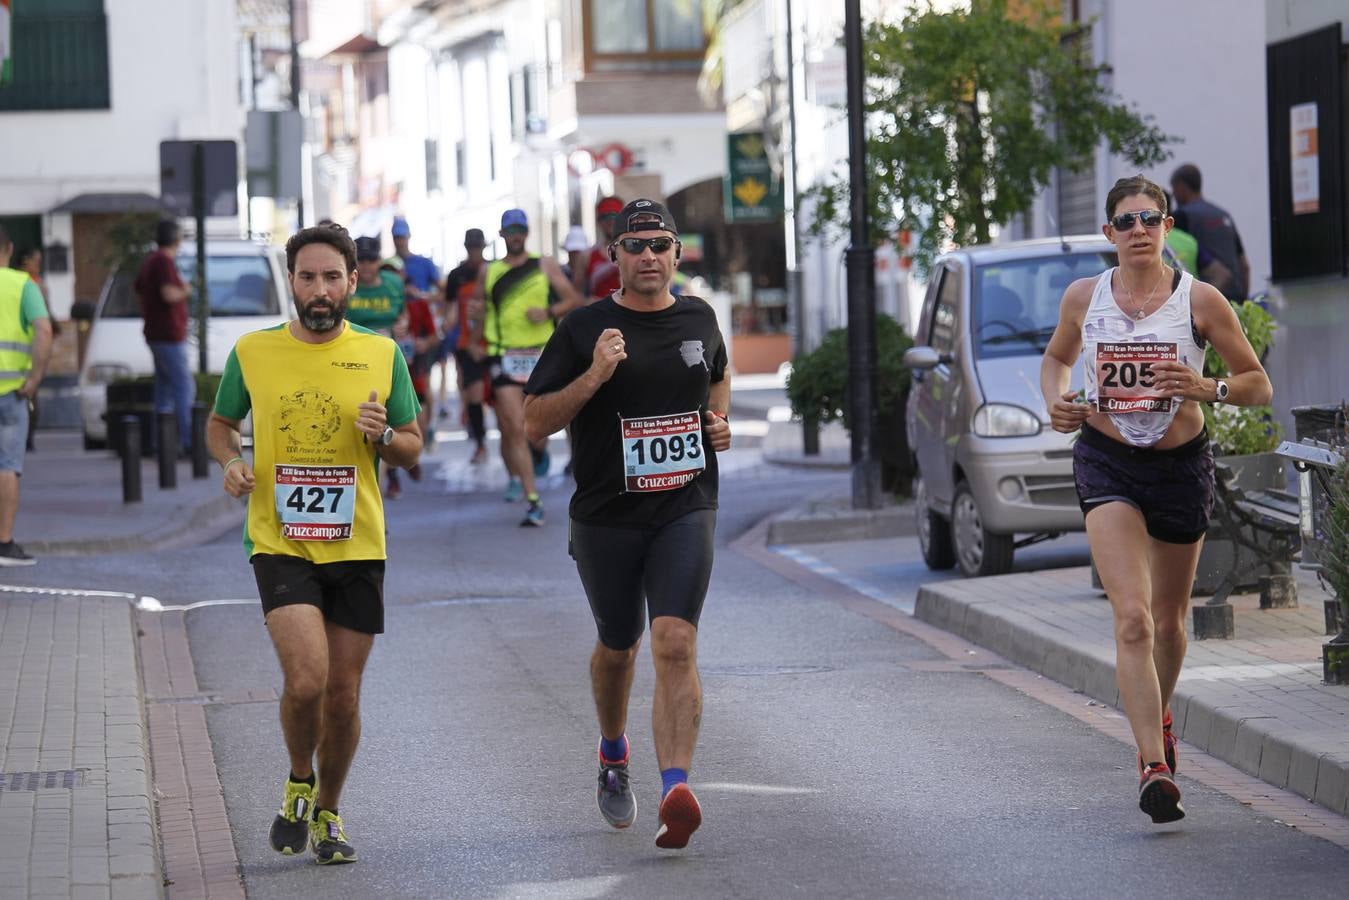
<point>1334,571</point>
<point>818,391</point>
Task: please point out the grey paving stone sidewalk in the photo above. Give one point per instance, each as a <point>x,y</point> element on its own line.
<point>1256,702</point>
<point>75,812</point>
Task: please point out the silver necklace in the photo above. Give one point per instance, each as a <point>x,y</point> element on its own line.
<point>1138,310</point>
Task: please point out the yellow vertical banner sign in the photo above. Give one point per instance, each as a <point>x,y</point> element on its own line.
<point>6,53</point>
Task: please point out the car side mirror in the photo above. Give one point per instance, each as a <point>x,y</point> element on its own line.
<point>920,359</point>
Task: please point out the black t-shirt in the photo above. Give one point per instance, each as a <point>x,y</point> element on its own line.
<point>674,355</point>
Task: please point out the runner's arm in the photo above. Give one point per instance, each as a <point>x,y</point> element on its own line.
<point>1248,385</point>
<point>547,414</point>
<point>222,442</point>
<point>716,420</point>
<point>1056,368</point>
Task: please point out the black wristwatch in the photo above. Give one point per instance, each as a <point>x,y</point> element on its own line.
<point>1220,390</point>
<point>387,437</point>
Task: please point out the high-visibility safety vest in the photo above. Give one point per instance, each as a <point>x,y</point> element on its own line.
<point>16,341</point>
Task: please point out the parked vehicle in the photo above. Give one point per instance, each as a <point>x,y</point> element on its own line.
<point>248,290</point>
<point>992,476</point>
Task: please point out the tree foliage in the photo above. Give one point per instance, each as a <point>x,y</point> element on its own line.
<point>969,112</point>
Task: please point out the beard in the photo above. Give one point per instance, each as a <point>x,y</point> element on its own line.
<point>322,315</point>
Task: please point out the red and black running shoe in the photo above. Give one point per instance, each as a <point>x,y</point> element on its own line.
<point>680,816</point>
<point>1159,795</point>
<point>1169,742</point>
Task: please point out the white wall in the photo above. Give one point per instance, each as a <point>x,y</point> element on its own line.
<point>176,80</point>
<point>1205,85</point>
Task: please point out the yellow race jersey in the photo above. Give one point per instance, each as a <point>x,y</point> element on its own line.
<point>317,478</point>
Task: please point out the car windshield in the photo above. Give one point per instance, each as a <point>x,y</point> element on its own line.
<point>238,286</point>
<point>1016,302</point>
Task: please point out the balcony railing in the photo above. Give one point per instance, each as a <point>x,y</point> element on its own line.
<point>60,62</point>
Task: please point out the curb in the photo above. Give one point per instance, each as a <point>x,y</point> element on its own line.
<point>211,516</point>
<point>1246,742</point>
<point>833,520</point>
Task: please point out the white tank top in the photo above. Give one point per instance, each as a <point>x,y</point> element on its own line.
<point>1117,349</point>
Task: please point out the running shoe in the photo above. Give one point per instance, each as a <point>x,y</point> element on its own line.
<point>479,456</point>
<point>290,828</point>
<point>533,516</point>
<point>329,840</point>
<point>542,462</point>
<point>680,816</point>
<point>395,489</point>
<point>1169,742</point>
<point>1159,795</point>
<point>615,799</point>
<point>11,554</point>
<point>515,491</point>
<point>415,472</point>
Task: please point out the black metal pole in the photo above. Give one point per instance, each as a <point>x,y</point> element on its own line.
<point>168,450</point>
<point>200,461</point>
<point>199,213</point>
<point>131,459</point>
<point>295,100</point>
<point>861,258</point>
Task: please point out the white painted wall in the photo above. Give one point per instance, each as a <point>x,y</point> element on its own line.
<point>176,80</point>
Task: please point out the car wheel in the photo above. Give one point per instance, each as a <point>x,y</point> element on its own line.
<point>934,531</point>
<point>978,551</point>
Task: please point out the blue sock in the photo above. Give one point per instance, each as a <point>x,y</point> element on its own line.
<point>615,750</point>
<point>670,777</point>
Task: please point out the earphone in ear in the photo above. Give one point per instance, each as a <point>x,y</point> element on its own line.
<point>678,250</point>
<point>613,254</point>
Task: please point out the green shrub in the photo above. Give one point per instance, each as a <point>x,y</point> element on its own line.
<point>1242,430</point>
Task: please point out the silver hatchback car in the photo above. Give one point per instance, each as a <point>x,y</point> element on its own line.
<point>992,475</point>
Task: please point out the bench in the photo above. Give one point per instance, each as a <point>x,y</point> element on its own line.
<point>1265,522</point>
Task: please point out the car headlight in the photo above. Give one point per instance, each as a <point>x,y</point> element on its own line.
<point>107,373</point>
<point>1005,420</point>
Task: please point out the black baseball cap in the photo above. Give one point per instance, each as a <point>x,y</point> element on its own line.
<point>645,215</point>
<point>367,248</point>
<point>474,238</point>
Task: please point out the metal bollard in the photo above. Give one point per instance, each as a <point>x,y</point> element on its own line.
<point>200,461</point>
<point>131,459</point>
<point>168,450</point>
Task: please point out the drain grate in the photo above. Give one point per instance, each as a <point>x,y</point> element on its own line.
<point>58,779</point>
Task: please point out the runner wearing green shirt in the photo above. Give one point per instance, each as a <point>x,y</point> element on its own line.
<point>379,297</point>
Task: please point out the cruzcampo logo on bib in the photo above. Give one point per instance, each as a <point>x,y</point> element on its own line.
<point>661,453</point>
<point>1125,379</point>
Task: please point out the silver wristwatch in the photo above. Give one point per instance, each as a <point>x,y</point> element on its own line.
<point>387,437</point>
<point>1220,390</point>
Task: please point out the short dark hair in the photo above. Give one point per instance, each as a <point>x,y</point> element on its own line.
<point>332,234</point>
<point>1131,186</point>
<point>167,232</point>
<point>1189,176</point>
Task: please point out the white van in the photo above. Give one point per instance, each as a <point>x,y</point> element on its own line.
<point>248,291</point>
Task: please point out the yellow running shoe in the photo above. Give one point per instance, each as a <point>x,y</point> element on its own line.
<point>290,828</point>
<point>329,840</point>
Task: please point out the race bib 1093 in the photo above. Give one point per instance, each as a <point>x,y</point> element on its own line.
<point>661,453</point>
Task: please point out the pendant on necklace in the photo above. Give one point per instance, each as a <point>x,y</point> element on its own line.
<point>1138,315</point>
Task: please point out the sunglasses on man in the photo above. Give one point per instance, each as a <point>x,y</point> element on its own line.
<point>514,230</point>
<point>635,246</point>
<point>1152,218</point>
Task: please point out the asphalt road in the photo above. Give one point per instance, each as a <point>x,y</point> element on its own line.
<point>830,763</point>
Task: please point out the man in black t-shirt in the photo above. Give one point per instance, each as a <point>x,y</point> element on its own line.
<point>641,376</point>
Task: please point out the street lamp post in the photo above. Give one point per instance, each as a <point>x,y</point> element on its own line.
<point>861,258</point>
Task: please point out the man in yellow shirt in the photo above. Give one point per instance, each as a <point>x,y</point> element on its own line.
<point>329,400</point>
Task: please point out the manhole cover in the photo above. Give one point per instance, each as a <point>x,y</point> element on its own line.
<point>749,671</point>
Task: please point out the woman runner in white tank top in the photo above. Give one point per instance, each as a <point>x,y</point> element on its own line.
<point>1142,464</point>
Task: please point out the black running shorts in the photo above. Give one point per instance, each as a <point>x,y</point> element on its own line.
<point>1172,488</point>
<point>350,594</point>
<point>471,370</point>
<point>669,567</point>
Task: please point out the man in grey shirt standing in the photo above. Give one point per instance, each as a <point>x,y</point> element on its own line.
<point>1222,259</point>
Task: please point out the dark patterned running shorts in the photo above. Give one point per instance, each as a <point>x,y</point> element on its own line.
<point>1172,488</point>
